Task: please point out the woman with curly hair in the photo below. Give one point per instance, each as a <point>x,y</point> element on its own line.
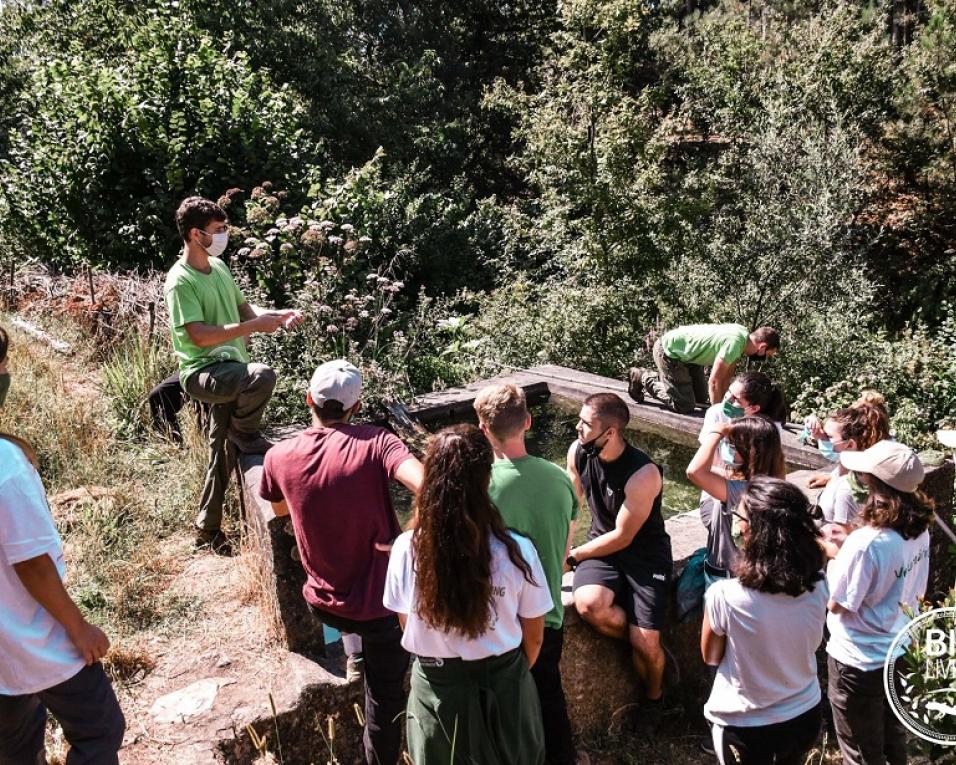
<point>852,429</point>
<point>880,572</point>
<point>471,597</point>
<point>761,630</point>
<point>756,447</point>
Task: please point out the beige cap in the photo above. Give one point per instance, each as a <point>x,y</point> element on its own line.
<point>893,463</point>
<point>336,380</point>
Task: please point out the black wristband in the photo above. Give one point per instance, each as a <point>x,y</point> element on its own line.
<point>572,562</point>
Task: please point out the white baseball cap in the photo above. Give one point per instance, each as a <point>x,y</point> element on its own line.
<point>947,437</point>
<point>893,463</point>
<point>336,380</point>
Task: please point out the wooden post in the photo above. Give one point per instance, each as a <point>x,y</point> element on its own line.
<point>89,277</point>
<point>152,321</point>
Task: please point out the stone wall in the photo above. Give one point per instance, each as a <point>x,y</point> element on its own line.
<point>599,678</point>
<point>281,574</point>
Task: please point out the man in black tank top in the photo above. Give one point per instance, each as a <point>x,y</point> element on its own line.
<point>622,573</point>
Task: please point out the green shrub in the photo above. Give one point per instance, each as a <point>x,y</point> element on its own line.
<point>133,369</point>
<point>350,288</point>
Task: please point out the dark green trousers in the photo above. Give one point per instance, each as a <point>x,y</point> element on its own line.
<point>474,712</point>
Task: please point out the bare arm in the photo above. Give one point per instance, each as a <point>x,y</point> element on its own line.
<point>41,579</point>
<point>720,376</point>
<point>248,311</point>
<point>700,471</point>
<point>207,335</point>
<point>573,474</point>
<point>280,508</point>
<point>410,474</point>
<point>532,636</point>
<point>835,608</point>
<point>567,545</point>
<point>712,645</point>
<point>402,619</point>
<point>639,495</point>
<point>251,319</point>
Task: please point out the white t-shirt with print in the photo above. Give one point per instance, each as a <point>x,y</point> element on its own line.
<point>874,575</point>
<point>513,596</point>
<point>769,672</point>
<point>35,649</point>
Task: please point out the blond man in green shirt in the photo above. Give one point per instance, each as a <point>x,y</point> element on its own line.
<point>210,319</point>
<point>682,354</point>
<point>535,497</point>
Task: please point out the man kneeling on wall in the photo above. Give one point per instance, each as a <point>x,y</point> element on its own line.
<point>682,354</point>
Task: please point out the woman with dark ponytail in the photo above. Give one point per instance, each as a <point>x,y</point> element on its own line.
<point>755,443</point>
<point>471,597</point>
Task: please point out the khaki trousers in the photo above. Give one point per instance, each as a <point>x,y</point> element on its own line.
<point>238,394</point>
<point>677,385</point>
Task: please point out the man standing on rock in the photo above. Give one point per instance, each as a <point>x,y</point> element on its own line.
<point>535,498</point>
<point>622,573</point>
<point>681,355</point>
<point>210,319</point>
<point>333,479</point>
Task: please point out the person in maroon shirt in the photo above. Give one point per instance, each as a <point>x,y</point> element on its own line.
<point>333,479</point>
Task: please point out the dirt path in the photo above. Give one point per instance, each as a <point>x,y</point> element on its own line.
<point>228,642</point>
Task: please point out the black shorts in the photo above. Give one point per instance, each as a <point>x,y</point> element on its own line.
<point>642,592</point>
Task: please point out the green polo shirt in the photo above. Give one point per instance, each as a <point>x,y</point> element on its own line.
<point>535,498</point>
<point>703,344</point>
<point>212,298</point>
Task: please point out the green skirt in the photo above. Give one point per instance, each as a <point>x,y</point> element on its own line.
<point>482,712</point>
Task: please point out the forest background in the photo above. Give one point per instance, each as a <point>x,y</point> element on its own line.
<point>446,188</point>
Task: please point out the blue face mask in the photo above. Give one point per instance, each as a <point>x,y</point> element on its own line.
<point>727,452</point>
<point>828,451</point>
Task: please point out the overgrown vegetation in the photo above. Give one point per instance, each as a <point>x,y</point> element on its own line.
<point>523,182</point>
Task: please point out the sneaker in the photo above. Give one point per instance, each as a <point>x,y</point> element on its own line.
<point>635,384</point>
<point>215,541</point>
<point>250,443</point>
<point>354,667</point>
<point>651,714</point>
<point>623,719</point>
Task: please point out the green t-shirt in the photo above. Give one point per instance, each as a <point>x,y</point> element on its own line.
<point>535,498</point>
<point>212,298</point>
<point>703,344</point>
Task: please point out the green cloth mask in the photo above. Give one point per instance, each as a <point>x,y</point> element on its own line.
<point>4,386</point>
<point>857,489</point>
<point>733,411</point>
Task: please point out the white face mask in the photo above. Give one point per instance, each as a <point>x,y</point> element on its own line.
<point>219,243</point>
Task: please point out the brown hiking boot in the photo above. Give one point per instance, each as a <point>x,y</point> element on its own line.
<point>635,384</point>
<point>250,443</point>
<point>215,541</point>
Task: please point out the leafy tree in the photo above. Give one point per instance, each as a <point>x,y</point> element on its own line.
<point>108,146</point>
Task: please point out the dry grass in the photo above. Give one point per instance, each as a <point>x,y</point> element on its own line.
<point>119,500</point>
